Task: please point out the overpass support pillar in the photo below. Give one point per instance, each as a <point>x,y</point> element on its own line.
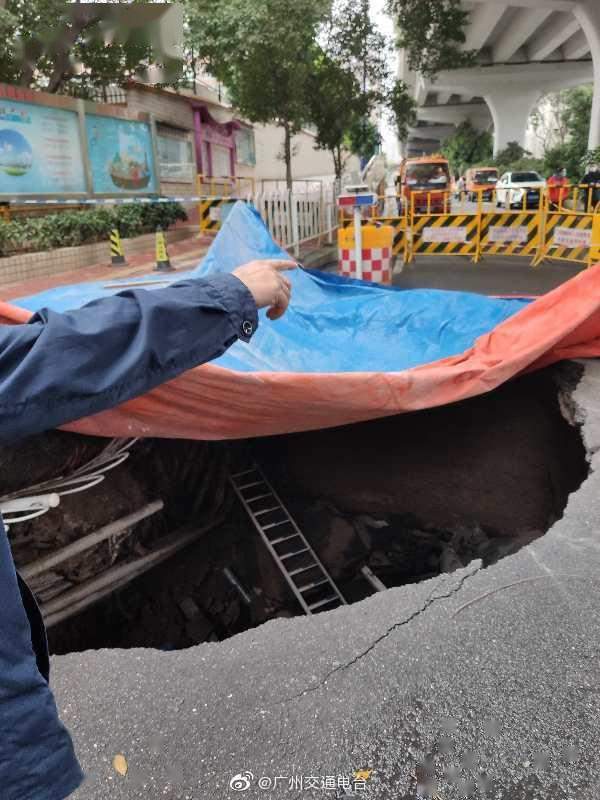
<point>510,109</point>
<point>588,14</point>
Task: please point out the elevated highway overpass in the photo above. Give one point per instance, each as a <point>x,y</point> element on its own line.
<point>525,48</point>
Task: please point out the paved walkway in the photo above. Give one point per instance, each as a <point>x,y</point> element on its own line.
<point>183,255</point>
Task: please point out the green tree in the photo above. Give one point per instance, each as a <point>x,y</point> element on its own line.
<point>402,109</point>
<point>336,102</point>
<point>467,147</point>
<point>571,151</point>
<point>52,44</point>
<point>431,32</point>
<point>351,38</point>
<point>349,80</point>
<point>514,157</point>
<point>363,138</point>
<point>264,54</point>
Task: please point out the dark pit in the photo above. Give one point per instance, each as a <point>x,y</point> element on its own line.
<point>409,497</point>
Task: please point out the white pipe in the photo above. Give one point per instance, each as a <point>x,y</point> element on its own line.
<point>86,593</point>
<point>92,539</point>
<point>32,503</point>
<point>137,283</point>
<point>75,608</point>
<point>375,582</point>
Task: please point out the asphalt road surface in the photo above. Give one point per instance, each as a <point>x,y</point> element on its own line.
<point>506,275</point>
<point>491,673</point>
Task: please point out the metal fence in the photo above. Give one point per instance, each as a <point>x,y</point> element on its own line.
<point>292,218</point>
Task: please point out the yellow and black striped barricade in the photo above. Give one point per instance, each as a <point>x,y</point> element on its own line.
<point>567,237</point>
<point>445,234</point>
<point>210,211</point>
<point>594,255</point>
<point>511,233</point>
<point>117,254</point>
<point>400,240</point>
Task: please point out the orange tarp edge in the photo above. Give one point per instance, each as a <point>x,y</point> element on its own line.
<point>211,402</point>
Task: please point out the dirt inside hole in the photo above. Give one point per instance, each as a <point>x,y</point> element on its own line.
<point>409,496</point>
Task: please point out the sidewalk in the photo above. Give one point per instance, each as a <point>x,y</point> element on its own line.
<point>183,256</point>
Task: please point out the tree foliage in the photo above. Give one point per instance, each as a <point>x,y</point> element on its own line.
<point>51,44</point>
<point>402,109</point>
<point>351,38</point>
<point>264,53</point>
<point>349,81</point>
<point>431,32</point>
<point>336,103</point>
<point>467,147</point>
<point>515,157</point>
<point>363,138</point>
<point>571,150</point>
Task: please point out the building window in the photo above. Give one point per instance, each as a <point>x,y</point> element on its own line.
<point>244,143</point>
<point>175,157</point>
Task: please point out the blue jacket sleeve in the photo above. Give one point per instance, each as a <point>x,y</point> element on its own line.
<point>61,367</point>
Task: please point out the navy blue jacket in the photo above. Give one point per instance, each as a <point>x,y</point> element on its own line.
<point>57,368</point>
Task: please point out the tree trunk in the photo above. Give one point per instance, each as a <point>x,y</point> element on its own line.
<point>287,154</point>
<point>81,17</point>
<point>337,163</point>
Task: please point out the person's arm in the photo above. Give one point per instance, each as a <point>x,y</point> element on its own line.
<point>61,367</point>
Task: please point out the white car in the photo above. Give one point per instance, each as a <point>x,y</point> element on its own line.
<point>520,189</point>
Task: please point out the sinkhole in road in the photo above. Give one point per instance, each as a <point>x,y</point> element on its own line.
<point>409,497</point>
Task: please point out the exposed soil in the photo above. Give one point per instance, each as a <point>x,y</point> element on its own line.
<point>505,461</point>
<point>409,496</point>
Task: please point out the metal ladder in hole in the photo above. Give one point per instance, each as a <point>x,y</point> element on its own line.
<point>319,592</point>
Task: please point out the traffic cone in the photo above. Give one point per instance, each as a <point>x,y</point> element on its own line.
<point>162,257</point>
<point>117,256</point>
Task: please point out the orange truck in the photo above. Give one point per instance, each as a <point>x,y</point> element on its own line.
<point>425,182</point>
<point>481,180</point>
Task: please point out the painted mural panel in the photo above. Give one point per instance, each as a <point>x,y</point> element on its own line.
<point>120,153</point>
<point>40,150</point>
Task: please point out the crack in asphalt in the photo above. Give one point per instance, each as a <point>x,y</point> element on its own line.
<point>429,602</point>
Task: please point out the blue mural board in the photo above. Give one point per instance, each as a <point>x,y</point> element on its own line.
<point>40,150</point>
<point>120,153</point>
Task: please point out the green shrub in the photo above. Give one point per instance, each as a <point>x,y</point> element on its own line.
<point>72,228</point>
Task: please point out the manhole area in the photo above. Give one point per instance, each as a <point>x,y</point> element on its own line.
<point>389,502</point>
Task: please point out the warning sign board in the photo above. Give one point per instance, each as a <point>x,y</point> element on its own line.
<point>215,214</point>
<point>572,237</point>
<point>507,233</point>
<point>444,234</point>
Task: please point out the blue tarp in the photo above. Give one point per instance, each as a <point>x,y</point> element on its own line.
<point>333,324</point>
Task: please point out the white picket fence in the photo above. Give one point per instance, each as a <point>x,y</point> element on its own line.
<point>295,218</point>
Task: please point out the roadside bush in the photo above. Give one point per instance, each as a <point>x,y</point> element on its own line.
<point>72,228</point>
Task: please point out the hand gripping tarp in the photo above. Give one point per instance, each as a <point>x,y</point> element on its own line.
<point>346,351</point>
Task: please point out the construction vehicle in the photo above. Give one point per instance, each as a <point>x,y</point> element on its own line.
<point>481,181</point>
<point>424,184</point>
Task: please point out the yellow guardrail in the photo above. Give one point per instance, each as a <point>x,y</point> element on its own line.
<point>225,186</point>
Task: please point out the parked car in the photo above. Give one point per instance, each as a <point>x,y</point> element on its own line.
<point>520,190</point>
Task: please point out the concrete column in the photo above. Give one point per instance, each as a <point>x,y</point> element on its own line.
<point>510,110</point>
<point>588,14</point>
